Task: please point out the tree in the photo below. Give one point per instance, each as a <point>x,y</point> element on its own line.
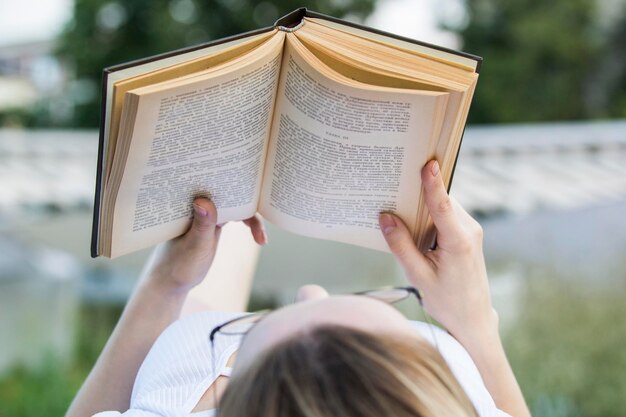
<point>104,33</point>
<point>543,60</point>
<point>607,89</point>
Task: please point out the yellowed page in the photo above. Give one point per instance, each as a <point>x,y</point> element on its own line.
<point>163,70</point>
<point>341,152</point>
<point>366,65</point>
<point>200,136</point>
<point>420,50</point>
<point>369,64</point>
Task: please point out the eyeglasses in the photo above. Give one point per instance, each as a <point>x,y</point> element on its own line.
<point>241,325</point>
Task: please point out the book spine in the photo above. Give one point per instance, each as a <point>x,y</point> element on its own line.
<point>292,19</point>
<point>97,200</point>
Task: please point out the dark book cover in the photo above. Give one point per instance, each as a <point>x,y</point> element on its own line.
<point>286,22</point>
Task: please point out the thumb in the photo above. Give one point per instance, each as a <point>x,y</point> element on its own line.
<point>403,248</point>
<point>204,218</point>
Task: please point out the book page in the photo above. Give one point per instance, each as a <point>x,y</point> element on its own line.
<point>431,51</point>
<point>341,152</point>
<point>122,81</point>
<point>201,136</point>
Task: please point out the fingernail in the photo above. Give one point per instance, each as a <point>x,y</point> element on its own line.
<point>387,223</point>
<point>435,168</point>
<point>200,211</point>
<point>265,241</point>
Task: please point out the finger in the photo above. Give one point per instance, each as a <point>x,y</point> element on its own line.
<point>401,244</point>
<point>204,219</point>
<point>439,205</point>
<point>310,292</point>
<point>257,228</point>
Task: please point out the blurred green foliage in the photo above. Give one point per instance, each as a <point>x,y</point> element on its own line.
<point>104,33</point>
<point>547,60</point>
<point>567,350</point>
<point>49,389</point>
<point>18,117</point>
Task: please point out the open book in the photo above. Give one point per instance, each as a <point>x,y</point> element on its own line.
<point>316,123</point>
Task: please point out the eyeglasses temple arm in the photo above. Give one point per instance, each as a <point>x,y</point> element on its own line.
<point>416,292</point>
<point>214,332</point>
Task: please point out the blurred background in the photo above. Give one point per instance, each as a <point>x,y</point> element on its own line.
<point>542,166</point>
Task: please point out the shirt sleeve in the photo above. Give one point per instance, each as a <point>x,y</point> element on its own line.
<point>141,413</point>
<point>181,365</point>
<point>129,413</point>
<point>462,367</point>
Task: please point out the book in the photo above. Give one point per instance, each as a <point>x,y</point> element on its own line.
<point>318,124</point>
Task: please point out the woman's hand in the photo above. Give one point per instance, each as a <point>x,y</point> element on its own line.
<point>453,277</point>
<point>174,268</point>
<point>183,262</point>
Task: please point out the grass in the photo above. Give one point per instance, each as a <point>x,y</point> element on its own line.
<point>48,390</point>
<point>568,350</point>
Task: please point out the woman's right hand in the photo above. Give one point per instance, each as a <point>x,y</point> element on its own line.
<point>453,277</point>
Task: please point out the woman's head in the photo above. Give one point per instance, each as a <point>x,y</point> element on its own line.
<point>342,371</point>
<point>317,309</point>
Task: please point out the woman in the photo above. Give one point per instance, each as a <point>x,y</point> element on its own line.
<point>322,356</point>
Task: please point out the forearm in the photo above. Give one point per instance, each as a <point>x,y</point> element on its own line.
<point>485,348</point>
<point>228,284</point>
<point>148,312</point>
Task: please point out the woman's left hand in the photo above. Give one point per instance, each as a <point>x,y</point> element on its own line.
<point>183,262</point>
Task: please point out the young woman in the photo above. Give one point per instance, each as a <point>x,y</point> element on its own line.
<point>350,355</point>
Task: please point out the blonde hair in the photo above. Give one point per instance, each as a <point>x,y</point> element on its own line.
<point>334,371</point>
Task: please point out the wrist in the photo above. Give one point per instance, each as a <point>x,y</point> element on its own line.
<point>170,271</point>
<point>168,277</point>
<point>162,287</point>
<point>481,335</point>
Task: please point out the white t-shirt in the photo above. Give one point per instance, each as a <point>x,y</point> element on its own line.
<point>177,371</point>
